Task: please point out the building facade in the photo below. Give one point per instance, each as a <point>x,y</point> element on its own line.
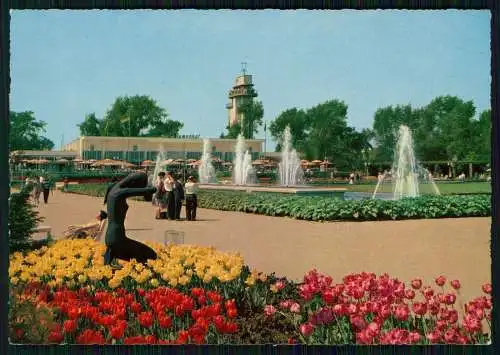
<point>242,91</point>
<point>138,149</point>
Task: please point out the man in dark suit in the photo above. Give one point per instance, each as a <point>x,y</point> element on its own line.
<point>178,197</point>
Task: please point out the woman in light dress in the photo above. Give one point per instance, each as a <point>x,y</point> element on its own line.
<point>160,196</point>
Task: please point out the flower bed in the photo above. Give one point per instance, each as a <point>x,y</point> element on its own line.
<point>64,294</point>
<point>330,209</point>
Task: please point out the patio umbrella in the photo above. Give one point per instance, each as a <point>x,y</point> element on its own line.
<point>126,164</point>
<point>40,161</point>
<point>62,161</point>
<point>107,162</point>
<point>148,163</point>
<point>167,162</point>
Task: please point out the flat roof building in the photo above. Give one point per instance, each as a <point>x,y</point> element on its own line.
<point>137,149</point>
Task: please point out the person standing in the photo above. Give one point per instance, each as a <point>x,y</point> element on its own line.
<point>169,189</point>
<point>191,199</point>
<point>178,197</point>
<point>160,196</point>
<point>46,185</point>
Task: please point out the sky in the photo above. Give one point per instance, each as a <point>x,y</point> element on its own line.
<point>66,64</point>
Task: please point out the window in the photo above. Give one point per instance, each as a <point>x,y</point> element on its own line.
<point>92,148</point>
<point>135,148</point>
<point>214,149</point>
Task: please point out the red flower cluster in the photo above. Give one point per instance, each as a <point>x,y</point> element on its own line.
<point>166,315</point>
<point>370,304</point>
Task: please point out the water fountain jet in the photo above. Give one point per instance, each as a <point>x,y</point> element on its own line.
<point>206,171</point>
<point>243,171</point>
<point>405,172</point>
<point>290,171</point>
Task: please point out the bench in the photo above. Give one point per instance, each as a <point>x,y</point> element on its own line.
<point>43,229</point>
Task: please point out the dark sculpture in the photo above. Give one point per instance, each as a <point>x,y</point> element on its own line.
<point>118,245</point>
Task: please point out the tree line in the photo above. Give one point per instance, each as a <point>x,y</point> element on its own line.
<point>446,129</point>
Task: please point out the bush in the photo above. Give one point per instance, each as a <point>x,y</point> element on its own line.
<point>331,209</point>
<point>316,208</point>
<point>23,219</point>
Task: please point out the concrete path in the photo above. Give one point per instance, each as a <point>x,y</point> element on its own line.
<point>456,248</point>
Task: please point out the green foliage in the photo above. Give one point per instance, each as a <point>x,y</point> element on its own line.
<point>134,116</point>
<point>332,209</point>
<point>96,190</point>
<point>322,132</point>
<point>23,218</point>
<point>26,133</point>
<point>91,126</point>
<point>253,113</point>
<point>445,129</point>
<point>232,131</point>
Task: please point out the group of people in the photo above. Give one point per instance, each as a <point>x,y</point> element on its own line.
<point>169,195</point>
<point>40,186</point>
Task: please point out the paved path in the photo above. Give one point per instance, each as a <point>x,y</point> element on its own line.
<point>456,248</point>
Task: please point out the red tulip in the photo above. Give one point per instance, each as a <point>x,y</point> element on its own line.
<point>487,288</point>
<point>145,319</point>
<point>455,284</point>
<point>306,329</point>
<point>69,326</point>
<point>420,308</point>
<point>56,337</point>
<point>416,284</point>
<point>440,280</point>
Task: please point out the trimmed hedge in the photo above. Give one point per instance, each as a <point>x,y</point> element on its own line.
<point>333,209</point>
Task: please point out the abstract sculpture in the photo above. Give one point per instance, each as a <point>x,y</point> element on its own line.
<point>117,243</point>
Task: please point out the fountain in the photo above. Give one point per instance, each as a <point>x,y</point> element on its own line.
<point>206,171</point>
<point>244,175</point>
<point>160,157</point>
<point>290,171</point>
<point>243,172</point>
<point>406,173</point>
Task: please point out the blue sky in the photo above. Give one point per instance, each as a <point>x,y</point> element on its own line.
<point>65,64</point>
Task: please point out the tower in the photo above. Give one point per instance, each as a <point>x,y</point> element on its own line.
<point>242,91</point>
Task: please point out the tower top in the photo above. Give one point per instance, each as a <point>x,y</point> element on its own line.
<point>244,68</point>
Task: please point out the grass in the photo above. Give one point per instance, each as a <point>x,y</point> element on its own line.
<point>446,188</point>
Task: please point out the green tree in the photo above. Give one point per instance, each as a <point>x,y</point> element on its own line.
<point>134,116</point>
<point>23,219</point>
<point>322,132</point>
<point>481,134</point>
<point>328,128</point>
<point>386,125</point>
<point>453,119</point>
<point>232,131</point>
<point>91,126</point>
<point>253,113</point>
<point>299,125</point>
<point>26,132</point>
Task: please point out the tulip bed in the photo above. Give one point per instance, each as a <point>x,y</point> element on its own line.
<point>331,209</point>
<point>190,294</point>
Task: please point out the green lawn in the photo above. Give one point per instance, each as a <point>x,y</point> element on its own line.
<point>445,188</point>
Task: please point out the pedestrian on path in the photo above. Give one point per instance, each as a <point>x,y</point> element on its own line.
<point>191,199</point>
